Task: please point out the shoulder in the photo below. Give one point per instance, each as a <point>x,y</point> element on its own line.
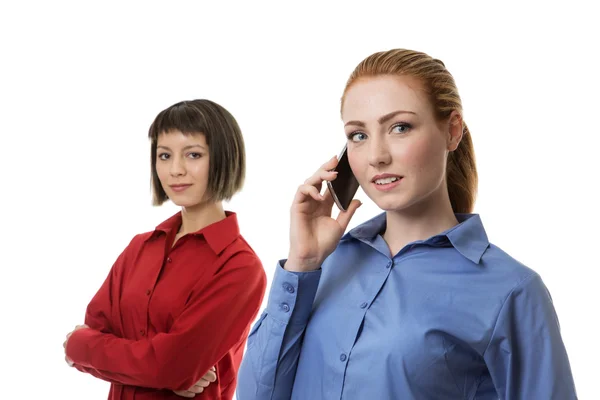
<point>239,255</point>
<point>139,239</point>
<point>510,275</point>
<point>499,261</point>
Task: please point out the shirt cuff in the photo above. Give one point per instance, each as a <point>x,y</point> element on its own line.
<point>292,294</point>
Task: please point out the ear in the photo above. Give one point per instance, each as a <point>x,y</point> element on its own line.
<point>455,130</point>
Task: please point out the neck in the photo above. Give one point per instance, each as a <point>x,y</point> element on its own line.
<point>197,217</point>
<point>419,222</point>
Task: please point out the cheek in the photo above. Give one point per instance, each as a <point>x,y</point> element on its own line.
<point>421,154</point>
<point>161,171</point>
<point>200,171</point>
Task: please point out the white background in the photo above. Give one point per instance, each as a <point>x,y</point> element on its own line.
<point>81,82</point>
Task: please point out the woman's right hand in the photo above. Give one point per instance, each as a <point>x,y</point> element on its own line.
<point>314,234</point>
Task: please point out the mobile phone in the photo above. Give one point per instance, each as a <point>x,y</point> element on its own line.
<point>344,187</point>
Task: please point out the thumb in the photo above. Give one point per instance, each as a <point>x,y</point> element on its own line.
<point>344,217</point>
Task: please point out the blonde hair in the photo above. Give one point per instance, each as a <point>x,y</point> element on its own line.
<point>461,170</point>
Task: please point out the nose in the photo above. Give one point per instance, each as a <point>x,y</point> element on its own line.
<point>379,152</point>
<point>177,167</point>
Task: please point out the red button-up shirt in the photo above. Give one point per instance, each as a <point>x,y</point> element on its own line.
<point>166,314</point>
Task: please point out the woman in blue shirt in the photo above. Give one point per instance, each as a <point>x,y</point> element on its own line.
<point>414,303</point>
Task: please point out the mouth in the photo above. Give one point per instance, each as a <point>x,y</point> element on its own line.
<point>179,188</point>
<point>385,179</point>
<point>386,182</point>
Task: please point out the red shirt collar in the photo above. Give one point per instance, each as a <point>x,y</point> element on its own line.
<point>218,235</point>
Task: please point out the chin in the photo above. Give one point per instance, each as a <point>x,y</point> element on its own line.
<point>393,202</point>
<point>183,201</point>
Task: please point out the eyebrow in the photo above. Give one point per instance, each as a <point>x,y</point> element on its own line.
<point>185,148</point>
<point>381,120</point>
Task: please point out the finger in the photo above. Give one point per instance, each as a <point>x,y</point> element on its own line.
<point>330,164</point>
<point>210,376</point>
<point>202,383</point>
<point>344,217</point>
<point>306,192</point>
<point>319,176</point>
<point>213,368</point>
<point>196,389</point>
<point>328,198</point>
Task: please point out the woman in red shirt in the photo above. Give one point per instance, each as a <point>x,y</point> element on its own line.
<point>172,317</point>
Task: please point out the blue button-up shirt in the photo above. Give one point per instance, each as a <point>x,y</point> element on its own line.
<point>450,317</point>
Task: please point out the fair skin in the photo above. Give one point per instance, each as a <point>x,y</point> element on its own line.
<point>182,167</point>
<point>184,160</point>
<point>397,150</point>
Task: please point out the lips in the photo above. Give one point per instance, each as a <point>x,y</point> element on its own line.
<point>179,187</point>
<point>385,179</point>
<point>386,182</point>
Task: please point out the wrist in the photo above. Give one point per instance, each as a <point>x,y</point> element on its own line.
<point>297,264</point>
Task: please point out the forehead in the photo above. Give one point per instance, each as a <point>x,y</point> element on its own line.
<point>175,138</point>
<point>369,98</point>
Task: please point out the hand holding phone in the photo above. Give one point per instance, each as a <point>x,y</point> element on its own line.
<point>314,234</point>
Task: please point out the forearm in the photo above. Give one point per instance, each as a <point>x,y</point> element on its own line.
<point>177,359</point>
<point>269,366</point>
<point>111,378</point>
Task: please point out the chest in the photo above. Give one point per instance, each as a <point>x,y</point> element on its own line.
<point>159,282</point>
<point>403,323</point>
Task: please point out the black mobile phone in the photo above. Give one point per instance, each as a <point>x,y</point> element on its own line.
<point>344,187</point>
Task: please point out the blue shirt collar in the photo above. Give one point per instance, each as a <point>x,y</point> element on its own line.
<point>468,237</point>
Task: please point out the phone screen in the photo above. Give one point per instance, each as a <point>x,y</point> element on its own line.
<point>344,187</point>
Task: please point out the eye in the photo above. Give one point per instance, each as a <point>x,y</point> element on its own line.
<point>163,156</point>
<point>401,127</point>
<point>357,136</point>
<point>194,155</point>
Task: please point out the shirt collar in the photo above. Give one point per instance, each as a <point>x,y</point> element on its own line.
<point>468,237</point>
<point>218,235</point>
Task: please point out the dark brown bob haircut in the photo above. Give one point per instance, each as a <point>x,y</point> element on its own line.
<point>226,150</point>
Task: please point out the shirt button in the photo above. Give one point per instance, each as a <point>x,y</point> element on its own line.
<point>343,357</point>
<point>142,332</point>
<point>285,307</point>
<point>389,265</point>
<point>169,259</point>
<point>289,288</point>
<point>148,292</point>
<point>364,305</point>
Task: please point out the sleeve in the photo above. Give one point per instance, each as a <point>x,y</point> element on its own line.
<point>214,320</point>
<point>98,314</point>
<point>269,367</point>
<point>526,356</point>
